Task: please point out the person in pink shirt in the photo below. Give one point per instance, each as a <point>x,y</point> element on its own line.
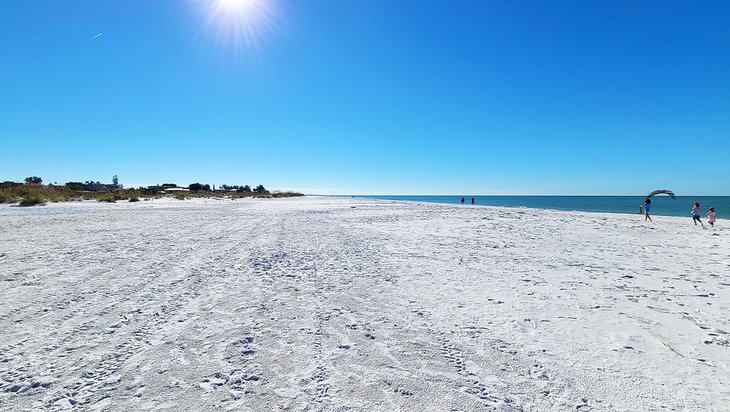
<point>711,216</point>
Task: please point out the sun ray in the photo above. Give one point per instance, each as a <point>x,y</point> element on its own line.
<point>242,25</point>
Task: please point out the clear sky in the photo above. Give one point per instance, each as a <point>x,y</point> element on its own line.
<point>370,96</point>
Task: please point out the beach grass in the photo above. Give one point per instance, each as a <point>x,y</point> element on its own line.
<point>33,200</point>
<point>7,197</point>
<point>107,197</point>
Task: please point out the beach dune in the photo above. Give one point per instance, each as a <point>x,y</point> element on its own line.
<point>339,304</point>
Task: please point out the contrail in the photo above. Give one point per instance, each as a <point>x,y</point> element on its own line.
<point>97,36</point>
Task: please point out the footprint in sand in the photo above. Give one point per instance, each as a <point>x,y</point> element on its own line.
<point>583,406</point>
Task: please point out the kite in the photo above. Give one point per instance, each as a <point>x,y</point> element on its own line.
<point>654,193</point>
<point>662,192</point>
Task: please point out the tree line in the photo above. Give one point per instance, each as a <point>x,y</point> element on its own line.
<point>93,186</point>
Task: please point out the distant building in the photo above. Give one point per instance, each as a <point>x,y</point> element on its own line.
<point>9,185</point>
<point>98,187</point>
<point>160,188</point>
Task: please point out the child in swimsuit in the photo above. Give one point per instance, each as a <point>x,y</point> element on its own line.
<point>647,208</point>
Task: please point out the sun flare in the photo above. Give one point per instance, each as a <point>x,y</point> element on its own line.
<point>237,6</point>
<point>239,23</point>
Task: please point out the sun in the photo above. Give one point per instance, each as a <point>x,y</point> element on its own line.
<point>239,23</point>
<point>239,7</point>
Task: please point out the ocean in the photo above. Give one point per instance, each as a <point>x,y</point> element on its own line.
<point>661,204</point>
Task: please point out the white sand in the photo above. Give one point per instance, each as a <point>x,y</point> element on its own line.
<point>358,305</point>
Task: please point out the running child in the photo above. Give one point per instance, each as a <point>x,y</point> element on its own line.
<point>696,214</point>
<point>711,216</point>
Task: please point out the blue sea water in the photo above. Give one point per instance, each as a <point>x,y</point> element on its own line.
<point>661,204</point>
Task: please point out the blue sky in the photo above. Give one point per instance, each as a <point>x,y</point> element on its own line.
<point>371,97</point>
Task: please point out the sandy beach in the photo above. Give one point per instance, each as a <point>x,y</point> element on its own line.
<point>337,304</point>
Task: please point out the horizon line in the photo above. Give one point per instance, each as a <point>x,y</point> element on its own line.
<point>487,195</point>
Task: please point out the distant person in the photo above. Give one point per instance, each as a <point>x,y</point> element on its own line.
<point>696,211</point>
<point>462,200</point>
<point>646,207</point>
<point>472,200</point>
<point>711,216</point>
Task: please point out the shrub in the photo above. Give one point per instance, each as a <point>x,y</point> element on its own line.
<point>286,194</point>
<point>6,197</point>
<point>33,200</point>
<point>134,199</point>
<point>78,186</point>
<point>109,198</point>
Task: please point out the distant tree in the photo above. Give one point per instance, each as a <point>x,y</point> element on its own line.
<point>75,186</point>
<point>115,181</point>
<point>260,189</point>
<point>33,180</point>
<point>92,186</point>
<point>244,189</point>
<point>197,187</point>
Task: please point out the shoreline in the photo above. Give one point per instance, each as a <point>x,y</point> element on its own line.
<point>610,213</point>
<point>467,204</point>
<point>173,199</point>
<point>203,199</point>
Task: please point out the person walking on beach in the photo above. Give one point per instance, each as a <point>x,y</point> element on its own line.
<point>472,200</point>
<point>647,208</point>
<point>696,214</point>
<point>462,200</point>
<point>711,216</point>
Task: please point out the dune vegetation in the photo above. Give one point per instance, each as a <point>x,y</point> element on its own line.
<point>33,192</point>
